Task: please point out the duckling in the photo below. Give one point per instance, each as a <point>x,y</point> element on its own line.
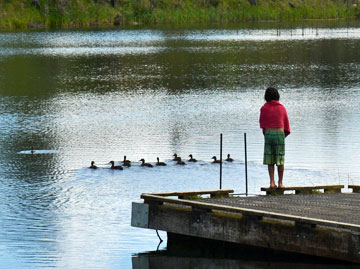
<point>93,166</point>
<point>176,158</point>
<point>145,164</point>
<point>228,159</point>
<point>126,162</point>
<point>160,163</point>
<point>117,167</point>
<point>192,159</point>
<point>180,162</point>
<point>215,160</point>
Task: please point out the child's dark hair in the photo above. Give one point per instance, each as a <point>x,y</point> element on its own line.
<point>271,94</point>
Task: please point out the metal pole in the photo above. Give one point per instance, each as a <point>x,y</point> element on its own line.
<point>246,176</point>
<point>221,138</point>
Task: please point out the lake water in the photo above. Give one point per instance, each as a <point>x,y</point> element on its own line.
<point>82,96</point>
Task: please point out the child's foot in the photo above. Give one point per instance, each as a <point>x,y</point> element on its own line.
<point>281,186</point>
<point>273,186</point>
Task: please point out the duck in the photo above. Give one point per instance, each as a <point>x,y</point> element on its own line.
<point>192,159</point>
<point>215,160</point>
<point>126,162</point>
<point>117,167</point>
<point>180,162</point>
<point>145,164</point>
<point>228,159</point>
<point>176,158</point>
<point>93,166</point>
<point>160,163</point>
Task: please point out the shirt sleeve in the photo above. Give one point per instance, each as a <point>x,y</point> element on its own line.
<point>286,123</point>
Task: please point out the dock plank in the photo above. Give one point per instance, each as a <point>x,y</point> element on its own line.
<point>304,189</point>
<point>337,207</point>
<point>355,188</point>
<point>184,194</point>
<point>333,210</point>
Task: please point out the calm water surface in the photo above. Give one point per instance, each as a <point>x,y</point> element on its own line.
<point>78,96</point>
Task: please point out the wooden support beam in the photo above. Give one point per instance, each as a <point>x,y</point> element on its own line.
<point>273,191</point>
<point>355,188</point>
<point>304,189</point>
<point>185,194</point>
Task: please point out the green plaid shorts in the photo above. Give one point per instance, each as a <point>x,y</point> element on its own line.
<point>274,149</point>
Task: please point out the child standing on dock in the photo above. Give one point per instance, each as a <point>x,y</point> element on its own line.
<point>274,122</point>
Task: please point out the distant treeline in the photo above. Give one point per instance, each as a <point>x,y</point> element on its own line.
<point>25,14</point>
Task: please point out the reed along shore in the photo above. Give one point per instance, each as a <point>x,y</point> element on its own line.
<point>64,14</point>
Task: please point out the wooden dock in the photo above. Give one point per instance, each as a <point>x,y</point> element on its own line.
<point>323,224</point>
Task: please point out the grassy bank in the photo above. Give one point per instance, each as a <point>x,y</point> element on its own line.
<point>25,14</point>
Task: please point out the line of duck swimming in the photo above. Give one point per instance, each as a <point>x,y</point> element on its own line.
<point>176,158</point>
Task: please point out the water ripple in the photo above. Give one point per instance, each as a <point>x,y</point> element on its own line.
<point>97,96</point>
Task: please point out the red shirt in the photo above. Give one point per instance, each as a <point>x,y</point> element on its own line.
<point>274,115</point>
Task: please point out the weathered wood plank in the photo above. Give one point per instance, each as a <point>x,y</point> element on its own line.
<point>304,189</point>
<point>213,193</point>
<point>355,188</point>
<point>267,233</point>
<point>324,225</point>
<point>251,212</point>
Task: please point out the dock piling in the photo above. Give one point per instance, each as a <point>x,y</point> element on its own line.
<point>221,140</point>
<point>246,174</point>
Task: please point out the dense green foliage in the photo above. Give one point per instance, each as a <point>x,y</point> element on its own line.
<point>23,14</point>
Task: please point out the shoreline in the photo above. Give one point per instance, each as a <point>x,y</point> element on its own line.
<point>269,24</point>
<point>80,14</point>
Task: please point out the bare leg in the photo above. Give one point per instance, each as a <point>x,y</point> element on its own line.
<point>271,170</point>
<point>280,174</point>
